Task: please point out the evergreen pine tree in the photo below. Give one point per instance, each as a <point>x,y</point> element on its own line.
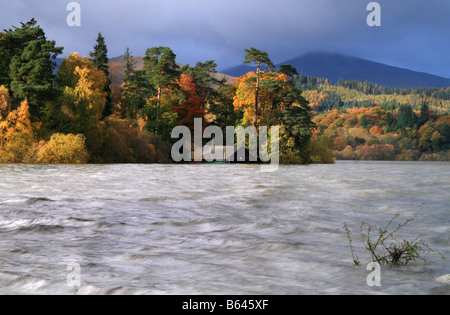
<point>30,59</point>
<point>425,114</point>
<point>260,58</point>
<point>129,64</point>
<point>288,70</point>
<point>99,58</point>
<point>162,72</point>
<point>205,81</point>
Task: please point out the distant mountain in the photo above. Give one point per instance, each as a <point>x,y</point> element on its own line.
<point>239,70</point>
<point>335,66</point>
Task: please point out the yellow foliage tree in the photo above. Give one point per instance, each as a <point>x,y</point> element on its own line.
<point>18,121</point>
<point>5,104</point>
<point>83,99</point>
<point>273,88</point>
<point>16,134</point>
<point>315,98</point>
<point>63,149</point>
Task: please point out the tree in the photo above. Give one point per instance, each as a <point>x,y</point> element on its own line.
<point>136,88</point>
<point>281,103</point>
<point>223,107</point>
<point>191,106</point>
<point>437,141</point>
<point>425,114</point>
<point>160,117</point>
<point>288,70</point>
<point>16,134</point>
<point>260,58</point>
<point>99,58</point>
<point>332,101</point>
<point>298,125</point>
<point>116,77</point>
<point>406,117</point>
<point>27,65</point>
<point>17,121</point>
<point>316,98</point>
<point>126,143</point>
<point>5,60</point>
<point>63,149</point>
<point>425,134</point>
<point>443,126</point>
<point>276,93</point>
<point>161,70</point>
<point>12,43</point>
<point>204,80</point>
<point>5,104</point>
<point>375,130</point>
<point>83,97</point>
<point>364,121</point>
<point>136,92</point>
<point>130,63</point>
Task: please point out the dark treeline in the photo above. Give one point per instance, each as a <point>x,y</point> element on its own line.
<point>305,82</point>
<point>375,89</point>
<point>325,96</point>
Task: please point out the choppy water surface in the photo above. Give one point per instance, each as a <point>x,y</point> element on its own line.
<point>215,229</point>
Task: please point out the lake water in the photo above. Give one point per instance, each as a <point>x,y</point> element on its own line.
<point>216,229</point>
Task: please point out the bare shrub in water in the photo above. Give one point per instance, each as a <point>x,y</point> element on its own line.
<point>386,248</point>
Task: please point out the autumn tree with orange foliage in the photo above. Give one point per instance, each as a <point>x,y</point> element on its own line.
<point>273,97</point>
<point>17,121</point>
<point>191,106</point>
<point>375,130</point>
<point>5,104</point>
<point>17,134</point>
<point>280,104</point>
<point>260,58</point>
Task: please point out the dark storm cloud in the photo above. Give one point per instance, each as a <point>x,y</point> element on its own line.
<point>414,33</point>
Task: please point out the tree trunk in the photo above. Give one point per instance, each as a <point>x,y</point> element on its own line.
<point>255,123</point>
<point>157,108</point>
<point>257,108</point>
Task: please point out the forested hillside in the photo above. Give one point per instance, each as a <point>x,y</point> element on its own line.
<point>347,94</point>
<point>361,120</point>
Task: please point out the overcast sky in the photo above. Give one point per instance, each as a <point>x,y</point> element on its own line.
<point>415,34</point>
